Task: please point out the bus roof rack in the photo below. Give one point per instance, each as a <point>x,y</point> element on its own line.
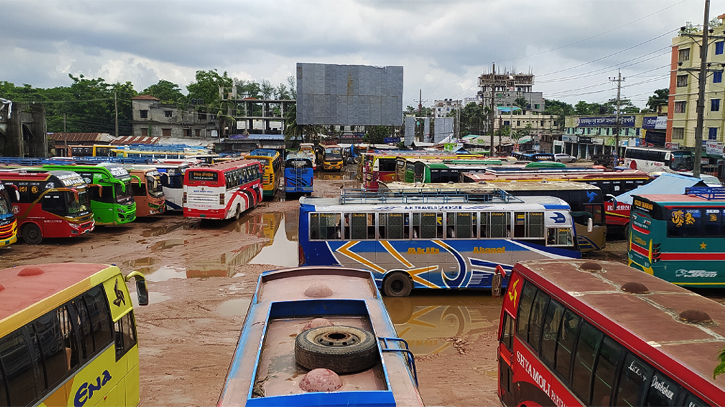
<point>440,195</point>
<point>708,193</point>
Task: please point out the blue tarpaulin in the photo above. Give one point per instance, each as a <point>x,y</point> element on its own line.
<point>665,183</point>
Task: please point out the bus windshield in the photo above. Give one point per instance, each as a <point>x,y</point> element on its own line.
<point>77,202</point>
<point>124,195</point>
<point>335,152</point>
<point>153,185</point>
<point>4,202</point>
<point>682,160</point>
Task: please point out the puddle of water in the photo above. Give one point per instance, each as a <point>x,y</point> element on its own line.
<point>166,244</point>
<point>164,273</point>
<point>223,266</point>
<point>154,298</point>
<point>291,225</point>
<point>281,252</point>
<point>234,308</point>
<point>428,322</point>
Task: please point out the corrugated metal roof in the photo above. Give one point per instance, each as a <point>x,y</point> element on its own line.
<point>672,183</point>
<point>126,140</point>
<point>80,137</point>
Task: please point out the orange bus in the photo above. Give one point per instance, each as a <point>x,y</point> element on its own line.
<point>585,333</point>
<point>148,190</point>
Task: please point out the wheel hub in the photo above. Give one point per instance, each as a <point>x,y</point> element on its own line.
<point>337,339</point>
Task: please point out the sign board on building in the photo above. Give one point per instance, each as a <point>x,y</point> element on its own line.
<point>569,139</point>
<point>585,140</point>
<point>672,146</point>
<point>597,140</point>
<point>608,121</point>
<point>389,140</point>
<point>654,123</point>
<point>714,148</point>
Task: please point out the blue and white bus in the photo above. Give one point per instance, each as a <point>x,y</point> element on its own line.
<point>432,239</point>
<point>298,174</point>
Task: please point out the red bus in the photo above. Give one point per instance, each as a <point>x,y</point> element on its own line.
<point>222,190</point>
<point>52,203</point>
<point>584,333</point>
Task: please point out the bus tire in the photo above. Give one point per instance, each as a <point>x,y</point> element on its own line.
<point>342,349</point>
<point>238,213</point>
<point>625,231</point>
<point>31,234</point>
<point>397,284</point>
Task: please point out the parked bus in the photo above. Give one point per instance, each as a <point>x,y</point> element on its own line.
<point>172,182</point>
<point>586,202</point>
<point>49,203</point>
<point>309,150</point>
<point>110,191</point>
<point>68,336</point>
<point>650,159</point>
<point>319,336</point>
<point>92,151</point>
<point>222,191</point>
<point>680,238</point>
<point>8,222</point>
<point>298,174</point>
<point>584,333</point>
<point>430,239</point>
<point>332,158</point>
<point>272,172</point>
<point>610,182</point>
<point>148,191</point>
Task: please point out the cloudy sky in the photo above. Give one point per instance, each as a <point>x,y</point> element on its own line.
<point>573,47</point>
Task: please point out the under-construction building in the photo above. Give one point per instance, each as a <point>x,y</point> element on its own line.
<point>507,87</point>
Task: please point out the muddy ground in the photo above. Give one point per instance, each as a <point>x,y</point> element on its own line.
<point>189,331</point>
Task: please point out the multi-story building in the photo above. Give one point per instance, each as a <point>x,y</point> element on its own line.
<point>508,87</point>
<point>441,108</point>
<point>151,118</point>
<point>684,87</point>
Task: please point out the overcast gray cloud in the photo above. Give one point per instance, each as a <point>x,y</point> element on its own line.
<point>572,46</point>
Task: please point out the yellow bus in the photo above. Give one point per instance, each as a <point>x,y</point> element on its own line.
<point>272,172</point>
<point>68,336</point>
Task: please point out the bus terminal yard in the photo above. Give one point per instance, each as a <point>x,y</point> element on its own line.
<point>201,277</point>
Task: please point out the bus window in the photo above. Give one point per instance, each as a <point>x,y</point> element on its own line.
<point>633,382</point>
<point>54,203</point>
<point>507,334</point>
<point>713,222</point>
<point>465,225</point>
<point>589,340</point>
<point>662,392</point>
<point>125,335</point>
<point>18,368</point>
<point>552,323</point>
<point>596,212</point>
<point>522,320</point>
<point>98,311</point>
<point>558,236</point>
<point>683,222</point>
<point>500,224</point>
<point>361,226</point>
<point>427,222</point>
<point>605,372</point>
<point>565,343</point>
<point>537,318</point>
<point>391,225</point>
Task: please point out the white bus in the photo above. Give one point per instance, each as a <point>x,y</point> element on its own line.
<point>654,159</point>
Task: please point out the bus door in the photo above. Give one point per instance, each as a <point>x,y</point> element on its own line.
<point>506,358</point>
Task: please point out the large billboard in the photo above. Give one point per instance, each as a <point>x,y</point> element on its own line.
<point>349,95</point>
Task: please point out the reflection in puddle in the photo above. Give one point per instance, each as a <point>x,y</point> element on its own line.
<point>164,273</point>
<point>428,322</point>
<point>291,224</point>
<point>234,308</point>
<point>223,266</point>
<point>166,244</point>
<point>282,252</point>
<point>154,298</point>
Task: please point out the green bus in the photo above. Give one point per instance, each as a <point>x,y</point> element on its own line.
<point>433,171</point>
<point>680,238</point>
<point>112,200</point>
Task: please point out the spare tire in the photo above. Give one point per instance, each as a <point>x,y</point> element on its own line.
<point>342,349</point>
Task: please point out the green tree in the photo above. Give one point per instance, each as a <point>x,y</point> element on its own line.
<point>660,98</point>
<point>377,134</point>
<point>720,368</point>
<point>472,119</point>
<point>165,91</point>
<point>555,107</point>
<point>521,102</point>
<point>207,87</point>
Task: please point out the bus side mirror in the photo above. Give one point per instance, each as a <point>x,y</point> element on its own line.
<point>141,288</point>
<point>590,225</point>
<point>614,201</point>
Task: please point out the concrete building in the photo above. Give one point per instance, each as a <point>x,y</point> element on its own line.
<point>509,86</point>
<point>151,118</point>
<point>587,136</point>
<point>23,130</point>
<point>441,108</point>
<point>542,128</point>
<point>682,107</point>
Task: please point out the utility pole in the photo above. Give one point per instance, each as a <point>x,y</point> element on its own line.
<point>115,107</point>
<point>420,114</point>
<point>619,80</point>
<point>65,137</point>
<point>493,118</point>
